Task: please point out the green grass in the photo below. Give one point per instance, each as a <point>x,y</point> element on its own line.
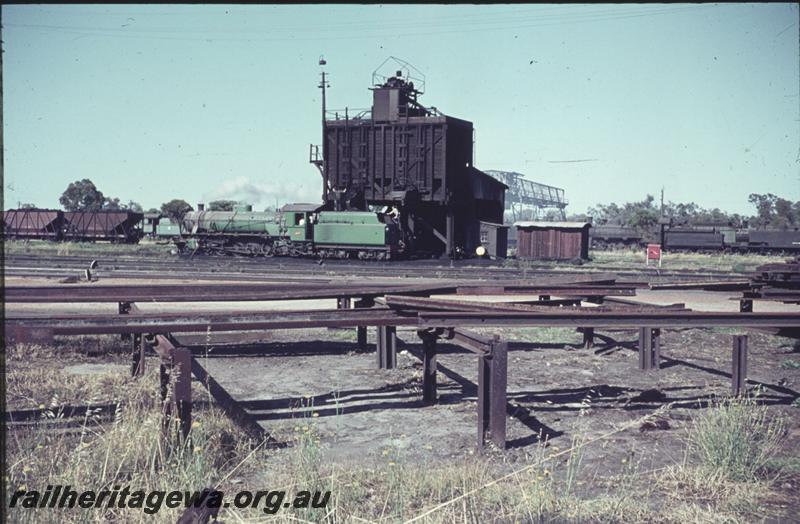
<point>43,247</point>
<point>735,440</point>
<point>790,363</point>
<point>544,335</point>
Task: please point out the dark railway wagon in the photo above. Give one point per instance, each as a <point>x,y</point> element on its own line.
<point>113,226</point>
<point>694,239</point>
<point>701,237</point>
<point>33,224</point>
<point>608,235</point>
<point>787,240</point>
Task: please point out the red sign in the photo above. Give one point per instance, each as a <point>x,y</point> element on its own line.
<point>653,251</point>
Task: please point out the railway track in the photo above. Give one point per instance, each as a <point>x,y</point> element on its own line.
<point>231,268</point>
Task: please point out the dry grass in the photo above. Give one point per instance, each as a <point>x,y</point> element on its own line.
<point>728,470</point>
<point>730,464</point>
<point>734,262</point>
<point>129,451</point>
<point>32,380</point>
<point>604,260</point>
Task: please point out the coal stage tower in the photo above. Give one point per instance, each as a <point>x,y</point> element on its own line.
<point>411,161</point>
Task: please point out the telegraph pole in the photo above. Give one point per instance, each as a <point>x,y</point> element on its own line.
<point>323,85</point>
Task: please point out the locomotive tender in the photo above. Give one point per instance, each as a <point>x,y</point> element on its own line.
<point>686,237</point>
<point>728,238</point>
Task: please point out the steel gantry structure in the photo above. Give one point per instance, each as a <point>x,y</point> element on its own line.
<point>524,194</point>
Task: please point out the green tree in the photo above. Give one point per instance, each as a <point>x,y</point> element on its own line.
<point>764,208</point>
<point>112,204</point>
<point>82,195</point>
<point>153,210</point>
<point>222,205</point>
<point>643,219</point>
<point>136,207</point>
<point>785,214</point>
<point>176,209</point>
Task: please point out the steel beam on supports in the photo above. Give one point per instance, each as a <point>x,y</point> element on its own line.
<point>607,319</point>
<point>428,366</point>
<point>492,385</point>
<point>546,291</point>
<point>386,347</point>
<point>588,337</point>
<point>474,342</point>
<point>229,404</point>
<point>182,395</point>
<point>451,233</point>
<point>124,308</point>
<point>197,292</point>
<point>361,331</point>
<point>739,375</point>
<point>186,322</point>
<point>137,356</point>
<point>175,370</point>
<point>649,349</point>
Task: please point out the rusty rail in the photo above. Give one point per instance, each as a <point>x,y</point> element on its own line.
<point>600,319</point>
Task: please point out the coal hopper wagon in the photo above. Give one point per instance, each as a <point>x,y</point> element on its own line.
<point>27,224</point>
<point>48,224</point>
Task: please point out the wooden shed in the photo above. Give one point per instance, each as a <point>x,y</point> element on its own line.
<point>553,240</point>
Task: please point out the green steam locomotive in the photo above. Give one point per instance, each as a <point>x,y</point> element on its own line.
<point>296,230</point>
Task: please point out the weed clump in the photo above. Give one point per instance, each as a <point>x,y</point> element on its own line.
<point>736,439</point>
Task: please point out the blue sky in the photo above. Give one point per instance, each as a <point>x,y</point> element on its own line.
<point>154,102</point>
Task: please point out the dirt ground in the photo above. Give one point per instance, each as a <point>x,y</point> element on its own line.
<point>557,390</point>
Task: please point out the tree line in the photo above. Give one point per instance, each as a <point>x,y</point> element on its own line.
<point>771,211</point>
<point>83,195</point>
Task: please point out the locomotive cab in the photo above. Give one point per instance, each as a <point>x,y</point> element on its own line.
<point>298,221</point>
